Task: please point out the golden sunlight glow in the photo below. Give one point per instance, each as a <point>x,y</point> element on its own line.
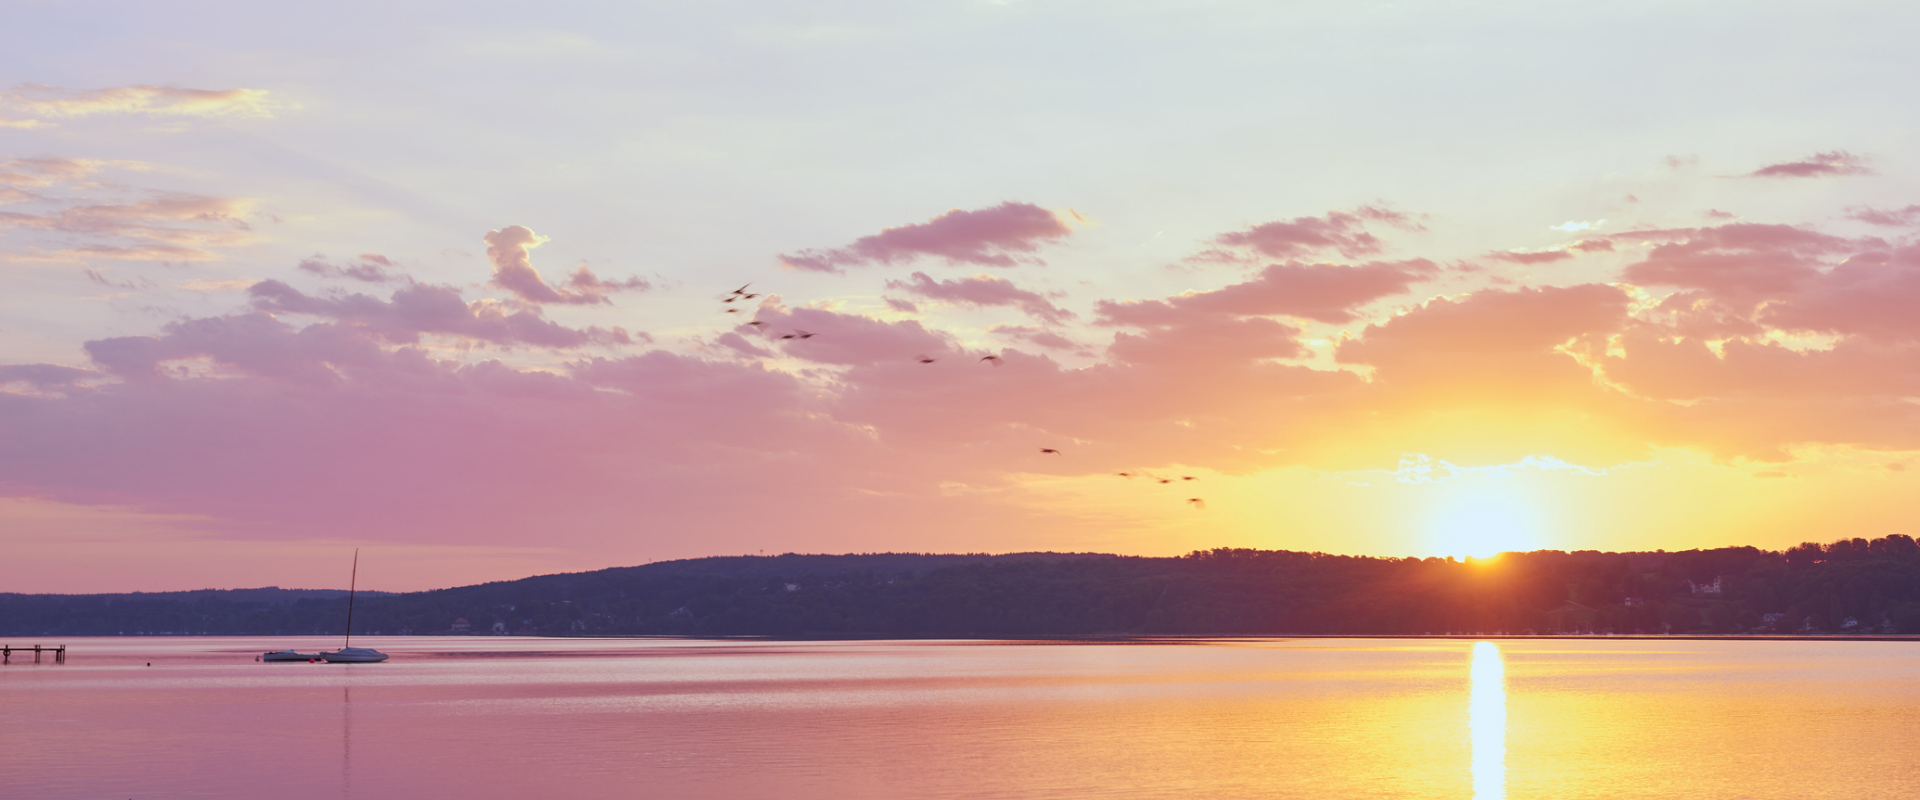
<point>1482,517</point>
<point>1487,722</point>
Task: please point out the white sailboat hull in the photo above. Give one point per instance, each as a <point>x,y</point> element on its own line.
<point>354,655</point>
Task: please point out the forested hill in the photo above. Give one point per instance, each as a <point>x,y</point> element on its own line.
<point>1849,587</point>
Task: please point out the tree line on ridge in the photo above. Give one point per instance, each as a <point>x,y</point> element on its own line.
<point>1848,587</point>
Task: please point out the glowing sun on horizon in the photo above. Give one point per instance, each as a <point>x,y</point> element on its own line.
<point>1483,518</point>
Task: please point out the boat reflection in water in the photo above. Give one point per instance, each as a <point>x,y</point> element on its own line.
<point>1487,722</point>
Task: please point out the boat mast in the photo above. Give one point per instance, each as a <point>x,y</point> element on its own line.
<point>352,583</point>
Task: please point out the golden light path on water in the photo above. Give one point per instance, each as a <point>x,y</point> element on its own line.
<point>1487,722</point>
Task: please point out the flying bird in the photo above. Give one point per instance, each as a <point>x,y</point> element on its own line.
<point>994,359</point>
<point>1164,480</point>
<point>756,323</point>
<point>805,335</point>
<point>1197,503</point>
<point>924,360</point>
<point>742,289</point>
<point>1127,475</point>
<point>1049,450</point>
<point>733,311</point>
<point>1188,478</point>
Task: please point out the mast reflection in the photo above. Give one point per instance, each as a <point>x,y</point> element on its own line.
<point>1487,722</point>
<point>346,741</point>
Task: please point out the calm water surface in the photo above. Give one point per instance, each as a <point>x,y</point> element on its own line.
<point>488,717</point>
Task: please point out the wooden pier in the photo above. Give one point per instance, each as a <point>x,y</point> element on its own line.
<point>59,653</point>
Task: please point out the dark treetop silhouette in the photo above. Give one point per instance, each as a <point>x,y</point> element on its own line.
<point>1851,586</point>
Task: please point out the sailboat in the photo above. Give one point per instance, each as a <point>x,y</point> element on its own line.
<point>348,654</point>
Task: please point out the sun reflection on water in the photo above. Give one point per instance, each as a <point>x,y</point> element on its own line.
<point>1487,722</point>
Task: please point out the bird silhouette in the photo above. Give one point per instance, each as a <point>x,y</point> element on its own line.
<point>1164,480</point>
<point>756,323</point>
<point>1127,475</point>
<point>1049,450</point>
<point>733,311</point>
<point>1197,503</point>
<point>1188,478</point>
<point>804,334</point>
<point>994,359</point>
<point>924,360</point>
<point>742,289</point>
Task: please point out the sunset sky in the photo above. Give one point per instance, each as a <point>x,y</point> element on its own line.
<point>445,282</point>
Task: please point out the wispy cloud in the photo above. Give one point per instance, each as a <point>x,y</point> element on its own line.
<point>982,290</point>
<point>510,250</point>
<point>1818,165</point>
<point>997,236</point>
<point>55,102</point>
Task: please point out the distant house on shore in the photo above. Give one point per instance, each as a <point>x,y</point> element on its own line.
<point>461,625</point>
<point>1570,617</point>
<point>1707,588</point>
<point>499,629</point>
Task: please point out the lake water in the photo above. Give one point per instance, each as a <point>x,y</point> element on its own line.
<point>487,717</point>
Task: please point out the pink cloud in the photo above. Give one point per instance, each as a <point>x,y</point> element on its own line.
<point>255,344</point>
<point>1658,365</point>
<point>509,250</point>
<point>1893,217</point>
<point>1300,237</point>
<point>421,308</point>
<point>830,337</point>
<point>1324,292</point>
<point>1444,332</point>
<point>369,267</point>
<point>1873,295</point>
<point>997,236</point>
<point>145,252</point>
<point>171,227</point>
<point>983,290</point>
<point>44,376</point>
<point>1539,257</point>
<point>1736,260</point>
<point>39,172</point>
<point>49,101</point>
<point>1837,162</point>
<point>309,439</point>
<point>140,219</point>
<point>1209,339</point>
<point>1038,336</point>
<point>1702,314</point>
<point>1556,254</point>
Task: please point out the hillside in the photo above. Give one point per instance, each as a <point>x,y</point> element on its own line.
<point>1850,586</point>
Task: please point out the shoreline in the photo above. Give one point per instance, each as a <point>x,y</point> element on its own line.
<point>1091,638</point>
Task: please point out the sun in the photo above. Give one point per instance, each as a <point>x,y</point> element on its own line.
<point>1482,517</point>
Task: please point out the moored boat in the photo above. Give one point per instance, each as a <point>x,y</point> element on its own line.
<point>289,655</point>
<point>354,655</point>
<point>348,654</point>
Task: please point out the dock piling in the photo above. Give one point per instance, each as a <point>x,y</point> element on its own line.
<point>59,653</point>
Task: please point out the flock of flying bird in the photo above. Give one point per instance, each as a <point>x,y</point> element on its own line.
<point>742,294</point>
